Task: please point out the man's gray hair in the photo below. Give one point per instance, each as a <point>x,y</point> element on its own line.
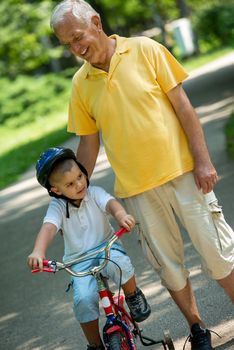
<point>79,8</point>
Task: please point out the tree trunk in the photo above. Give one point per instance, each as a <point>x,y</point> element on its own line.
<point>183,8</point>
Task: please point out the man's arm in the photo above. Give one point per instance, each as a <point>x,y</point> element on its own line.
<point>87,151</point>
<point>204,172</point>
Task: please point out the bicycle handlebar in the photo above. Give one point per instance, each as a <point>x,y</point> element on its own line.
<point>54,266</point>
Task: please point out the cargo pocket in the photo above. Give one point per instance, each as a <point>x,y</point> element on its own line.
<point>224,232</point>
<point>215,209</point>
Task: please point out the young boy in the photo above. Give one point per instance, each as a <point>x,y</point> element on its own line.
<point>79,210</point>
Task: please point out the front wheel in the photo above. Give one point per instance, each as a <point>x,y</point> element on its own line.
<point>118,341</point>
<point>168,341</point>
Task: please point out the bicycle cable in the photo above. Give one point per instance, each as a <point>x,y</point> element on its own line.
<point>120,272</point>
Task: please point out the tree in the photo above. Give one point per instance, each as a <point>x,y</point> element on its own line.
<point>25,44</point>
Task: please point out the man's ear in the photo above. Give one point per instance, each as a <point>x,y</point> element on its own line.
<point>55,190</point>
<point>97,22</point>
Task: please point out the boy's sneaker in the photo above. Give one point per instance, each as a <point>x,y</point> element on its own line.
<point>138,306</point>
<point>200,338</point>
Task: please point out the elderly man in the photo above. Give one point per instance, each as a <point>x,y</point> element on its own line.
<point>130,90</point>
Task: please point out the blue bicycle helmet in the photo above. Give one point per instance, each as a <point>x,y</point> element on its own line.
<point>47,161</point>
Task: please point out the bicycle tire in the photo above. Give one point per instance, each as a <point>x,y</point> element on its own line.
<point>118,341</point>
<point>168,340</point>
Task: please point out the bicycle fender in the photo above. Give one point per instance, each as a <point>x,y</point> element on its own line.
<point>113,329</point>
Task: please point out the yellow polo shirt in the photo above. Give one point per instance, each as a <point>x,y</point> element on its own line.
<point>143,139</point>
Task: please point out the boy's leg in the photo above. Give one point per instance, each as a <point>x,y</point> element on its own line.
<point>135,299</point>
<point>91,332</point>
<point>86,305</point>
<point>130,286</point>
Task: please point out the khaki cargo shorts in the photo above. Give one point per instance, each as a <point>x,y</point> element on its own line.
<point>156,211</point>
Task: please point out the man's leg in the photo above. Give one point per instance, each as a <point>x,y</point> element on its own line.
<point>227,284</point>
<point>186,302</point>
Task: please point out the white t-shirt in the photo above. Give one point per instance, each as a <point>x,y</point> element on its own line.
<point>87,227</point>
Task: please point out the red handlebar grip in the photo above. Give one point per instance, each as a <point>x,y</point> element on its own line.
<point>45,262</point>
<point>121,231</point>
<point>45,269</point>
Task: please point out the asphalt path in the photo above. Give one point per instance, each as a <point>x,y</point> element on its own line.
<point>35,311</point>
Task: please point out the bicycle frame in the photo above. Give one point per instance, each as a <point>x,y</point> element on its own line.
<point>117,318</point>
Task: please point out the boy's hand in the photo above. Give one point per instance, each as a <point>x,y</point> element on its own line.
<point>127,221</point>
<point>35,261</point>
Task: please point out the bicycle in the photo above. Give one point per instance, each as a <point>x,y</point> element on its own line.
<point>120,331</point>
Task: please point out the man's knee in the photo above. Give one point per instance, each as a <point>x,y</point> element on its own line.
<point>174,279</point>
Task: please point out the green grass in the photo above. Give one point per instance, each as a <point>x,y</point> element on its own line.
<point>229,133</point>
<point>198,61</point>
<point>33,116</point>
<point>33,113</point>
<point>26,154</point>
<point>25,144</point>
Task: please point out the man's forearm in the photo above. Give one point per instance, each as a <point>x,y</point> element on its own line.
<point>190,124</point>
<point>87,151</point>
<point>205,174</point>
<point>195,135</point>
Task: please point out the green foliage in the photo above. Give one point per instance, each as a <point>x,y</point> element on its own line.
<point>134,16</point>
<point>28,98</point>
<point>25,43</point>
<point>214,24</point>
<point>17,160</point>
<point>33,117</point>
<point>229,131</point>
<point>28,46</point>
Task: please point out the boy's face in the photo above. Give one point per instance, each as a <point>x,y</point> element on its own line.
<point>71,183</point>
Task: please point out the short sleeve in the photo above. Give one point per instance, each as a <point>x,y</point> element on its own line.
<point>54,214</point>
<point>80,121</point>
<point>100,196</point>
<point>169,72</point>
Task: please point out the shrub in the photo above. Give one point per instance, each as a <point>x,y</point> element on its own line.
<point>229,131</point>
<point>27,98</point>
<point>214,24</point>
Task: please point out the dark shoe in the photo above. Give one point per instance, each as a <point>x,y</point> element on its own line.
<point>138,306</point>
<point>200,338</point>
<point>94,347</point>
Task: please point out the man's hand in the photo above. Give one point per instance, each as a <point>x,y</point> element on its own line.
<point>205,177</point>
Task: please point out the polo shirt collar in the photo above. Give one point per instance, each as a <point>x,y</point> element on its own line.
<point>71,206</point>
<point>122,46</point>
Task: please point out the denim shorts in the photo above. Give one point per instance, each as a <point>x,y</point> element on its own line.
<point>157,211</point>
<point>85,293</point>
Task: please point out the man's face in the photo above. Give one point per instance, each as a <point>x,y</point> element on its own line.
<point>83,40</point>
